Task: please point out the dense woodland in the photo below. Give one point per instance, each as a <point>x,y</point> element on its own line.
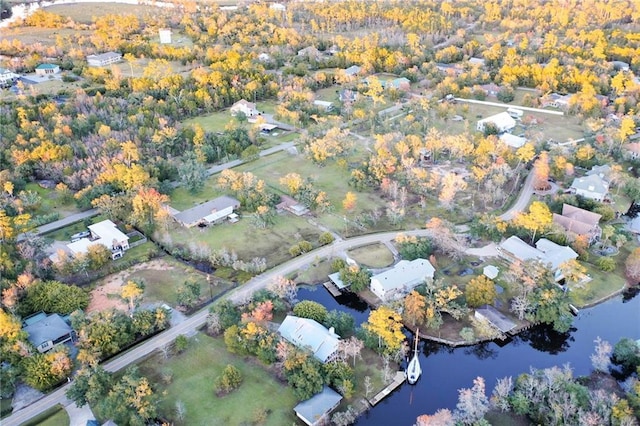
<point>119,142</point>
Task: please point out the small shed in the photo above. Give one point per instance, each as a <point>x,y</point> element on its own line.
<point>313,410</point>
<point>490,272</point>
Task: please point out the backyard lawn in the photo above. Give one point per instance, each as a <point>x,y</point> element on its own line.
<point>372,256</point>
<point>194,373</point>
<point>50,203</point>
<point>162,279</point>
<point>248,242</point>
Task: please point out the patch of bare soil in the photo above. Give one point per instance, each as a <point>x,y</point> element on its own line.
<point>107,295</point>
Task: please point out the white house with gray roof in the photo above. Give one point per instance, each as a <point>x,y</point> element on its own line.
<point>592,186</point>
<point>315,409</point>
<point>104,59</point>
<point>307,333</point>
<point>401,279</point>
<point>547,252</point>
<point>503,122</point>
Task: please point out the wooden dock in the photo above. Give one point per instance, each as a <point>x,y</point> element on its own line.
<point>397,381</point>
<point>335,291</point>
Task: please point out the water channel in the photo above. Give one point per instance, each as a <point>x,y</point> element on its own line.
<point>445,369</point>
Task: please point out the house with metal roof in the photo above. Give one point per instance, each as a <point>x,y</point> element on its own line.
<point>314,411</point>
<point>47,69</point>
<point>401,279</point>
<point>592,186</point>
<point>503,122</point>
<point>547,252</point>
<point>47,331</point>
<point>512,140</point>
<point>577,222</point>
<point>213,211</point>
<point>309,334</point>
<point>352,71</point>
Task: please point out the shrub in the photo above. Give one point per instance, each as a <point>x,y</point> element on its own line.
<point>312,310</point>
<point>325,238</point>
<point>229,380</point>
<point>606,264</point>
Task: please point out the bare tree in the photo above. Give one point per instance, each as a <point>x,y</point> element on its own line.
<point>181,410</point>
<point>601,359</point>
<point>368,386</point>
<point>500,396</point>
<point>472,403</point>
<point>284,288</point>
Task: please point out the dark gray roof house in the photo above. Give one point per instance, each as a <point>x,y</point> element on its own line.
<point>46,331</point>
<point>209,212</point>
<point>313,410</point>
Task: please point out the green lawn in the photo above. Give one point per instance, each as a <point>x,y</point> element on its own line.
<point>316,273</point>
<point>602,284</point>
<point>194,373</point>
<point>64,234</point>
<point>372,256</point>
<point>55,416</point>
<point>50,203</point>
<point>182,199</point>
<point>162,280</point>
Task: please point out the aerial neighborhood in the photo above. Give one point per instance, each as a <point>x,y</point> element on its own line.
<point>321,213</point>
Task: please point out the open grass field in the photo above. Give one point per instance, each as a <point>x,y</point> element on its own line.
<point>50,202</point>
<point>86,13</point>
<point>194,373</point>
<point>217,121</point>
<point>316,273</point>
<point>248,242</point>
<point>162,278</point>
<point>372,256</point>
<point>603,283</point>
<point>44,36</point>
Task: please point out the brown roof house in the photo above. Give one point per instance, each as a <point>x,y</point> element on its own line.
<point>291,205</point>
<point>576,221</point>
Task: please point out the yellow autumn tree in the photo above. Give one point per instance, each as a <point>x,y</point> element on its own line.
<point>293,182</point>
<point>387,325</point>
<point>538,219</point>
<point>350,201</point>
<point>132,293</point>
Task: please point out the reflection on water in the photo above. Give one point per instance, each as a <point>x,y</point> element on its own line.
<point>446,369</point>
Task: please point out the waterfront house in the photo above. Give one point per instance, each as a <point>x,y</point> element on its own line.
<point>401,279</point>
<point>547,252</point>
<point>592,187</point>
<point>578,222</point>
<point>309,334</point>
<point>315,411</point>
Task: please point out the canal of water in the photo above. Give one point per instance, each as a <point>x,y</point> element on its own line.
<point>446,369</point>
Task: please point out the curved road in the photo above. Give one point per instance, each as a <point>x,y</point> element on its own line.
<point>242,294</point>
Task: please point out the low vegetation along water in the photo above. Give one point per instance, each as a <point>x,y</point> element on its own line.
<point>446,369</point>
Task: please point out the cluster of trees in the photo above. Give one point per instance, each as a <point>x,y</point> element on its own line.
<point>129,400</point>
<point>105,333</point>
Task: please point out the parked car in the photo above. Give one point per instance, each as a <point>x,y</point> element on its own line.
<point>80,235</point>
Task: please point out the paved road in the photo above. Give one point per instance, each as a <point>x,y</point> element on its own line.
<point>523,199</point>
<point>496,104</point>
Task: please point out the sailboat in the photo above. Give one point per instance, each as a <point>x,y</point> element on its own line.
<point>413,369</point>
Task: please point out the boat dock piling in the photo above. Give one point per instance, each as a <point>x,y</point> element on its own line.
<point>398,379</point>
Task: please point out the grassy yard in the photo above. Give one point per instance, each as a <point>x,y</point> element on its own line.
<point>64,234</point>
<point>162,280</point>
<point>602,284</point>
<point>215,122</point>
<point>55,416</point>
<point>44,36</point>
<point>182,199</point>
<point>249,242</point>
<point>50,203</point>
<point>372,256</point>
<point>316,273</point>
<point>87,12</point>
<point>194,373</point>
